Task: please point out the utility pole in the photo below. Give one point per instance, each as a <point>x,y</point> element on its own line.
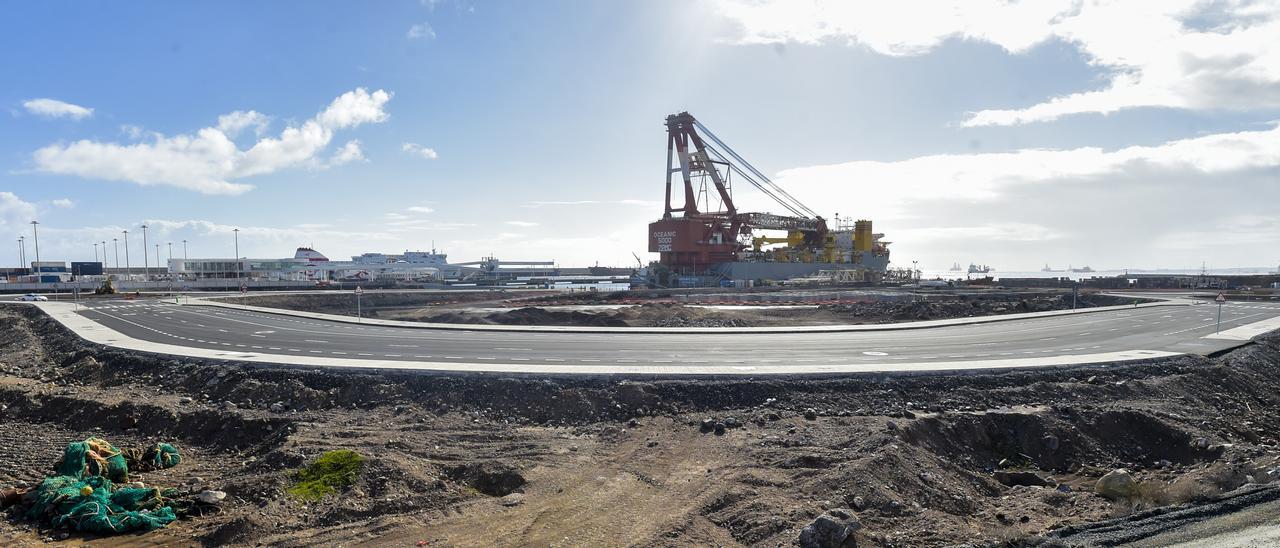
<point>146,274</point>
<point>36,237</point>
<point>128,270</point>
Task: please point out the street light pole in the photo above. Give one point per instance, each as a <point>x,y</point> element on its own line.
<point>128,269</point>
<point>22,251</point>
<point>237,236</point>
<point>146,274</point>
<point>184,250</point>
<point>95,252</point>
<point>116,244</point>
<point>36,237</point>
<point>157,255</point>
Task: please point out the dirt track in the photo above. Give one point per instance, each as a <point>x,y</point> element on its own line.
<point>658,309</point>
<point>912,456</point>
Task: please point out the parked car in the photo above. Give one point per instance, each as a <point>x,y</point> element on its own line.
<point>33,297</point>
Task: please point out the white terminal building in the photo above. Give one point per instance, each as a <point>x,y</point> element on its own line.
<point>308,264</point>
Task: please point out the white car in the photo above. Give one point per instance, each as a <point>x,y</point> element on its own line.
<point>33,297</point>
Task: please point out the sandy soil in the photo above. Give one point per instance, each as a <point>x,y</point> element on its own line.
<point>507,461</point>
<point>657,309</point>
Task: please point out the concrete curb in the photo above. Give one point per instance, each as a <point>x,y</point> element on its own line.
<point>201,301</point>
<point>66,314</point>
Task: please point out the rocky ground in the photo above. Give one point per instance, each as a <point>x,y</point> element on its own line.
<point>990,458</point>
<point>657,309</point>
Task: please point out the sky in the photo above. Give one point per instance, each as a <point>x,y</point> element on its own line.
<point>1115,135</point>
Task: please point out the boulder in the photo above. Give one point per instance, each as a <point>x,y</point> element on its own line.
<point>211,497</point>
<point>833,529</point>
<point>1117,484</point>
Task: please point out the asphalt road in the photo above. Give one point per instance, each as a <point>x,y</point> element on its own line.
<point>1168,328</point>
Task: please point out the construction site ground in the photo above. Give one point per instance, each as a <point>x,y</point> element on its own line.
<point>685,308</point>
<point>501,461</point>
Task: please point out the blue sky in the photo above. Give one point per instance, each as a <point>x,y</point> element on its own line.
<point>1010,136</point>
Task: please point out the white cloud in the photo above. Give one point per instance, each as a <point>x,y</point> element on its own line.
<point>1186,54</point>
<point>354,108</point>
<point>420,31</point>
<point>419,150</point>
<point>208,160</point>
<point>64,203</point>
<point>524,224</point>
<point>887,188</point>
<point>15,213</point>
<point>232,124</point>
<point>53,108</point>
<point>348,153</point>
<point>421,209</point>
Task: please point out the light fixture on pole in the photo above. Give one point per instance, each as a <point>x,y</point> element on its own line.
<point>128,270</point>
<point>36,237</point>
<point>146,268</point>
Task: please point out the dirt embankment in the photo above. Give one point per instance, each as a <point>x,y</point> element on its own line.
<point>483,461</point>
<point>371,302</point>
<point>657,309</point>
<point>679,315</point>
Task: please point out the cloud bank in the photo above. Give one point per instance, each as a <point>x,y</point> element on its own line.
<point>1185,54</point>
<point>209,161</point>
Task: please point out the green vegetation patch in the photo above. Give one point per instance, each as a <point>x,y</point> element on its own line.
<point>332,471</point>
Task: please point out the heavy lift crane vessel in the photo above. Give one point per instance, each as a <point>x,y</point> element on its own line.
<point>696,240</point>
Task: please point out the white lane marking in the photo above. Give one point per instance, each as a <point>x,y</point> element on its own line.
<point>874,353</point>
<point>531,350</point>
<point>315,341</point>
<point>1049,338</point>
<point>403,345</point>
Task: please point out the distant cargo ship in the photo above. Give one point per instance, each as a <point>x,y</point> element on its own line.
<point>1082,269</point>
<point>955,267</point>
<point>979,269</point>
<point>1048,269</point>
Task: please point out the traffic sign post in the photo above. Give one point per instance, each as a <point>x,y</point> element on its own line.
<point>1221,299</point>
<point>359,292</point>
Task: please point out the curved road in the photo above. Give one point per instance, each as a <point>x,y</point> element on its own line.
<point>1081,338</point>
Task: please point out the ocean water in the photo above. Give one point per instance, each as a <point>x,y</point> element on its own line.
<point>997,274</point>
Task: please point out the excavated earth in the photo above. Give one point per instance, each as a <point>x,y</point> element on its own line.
<point>657,310</point>
<point>514,461</point>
